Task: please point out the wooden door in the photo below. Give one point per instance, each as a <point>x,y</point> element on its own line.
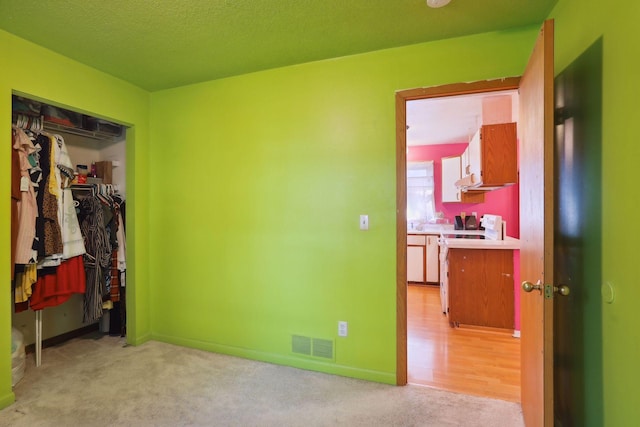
<point>536,132</point>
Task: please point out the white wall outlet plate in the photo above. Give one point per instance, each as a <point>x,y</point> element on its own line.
<point>343,328</point>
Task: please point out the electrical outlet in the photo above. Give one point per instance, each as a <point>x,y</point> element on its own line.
<point>342,328</point>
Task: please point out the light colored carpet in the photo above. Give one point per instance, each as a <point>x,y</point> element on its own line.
<point>99,381</point>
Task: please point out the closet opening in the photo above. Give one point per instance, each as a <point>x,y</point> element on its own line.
<point>68,247</point>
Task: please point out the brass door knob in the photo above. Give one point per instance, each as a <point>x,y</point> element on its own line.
<point>528,286</point>
<point>562,289</point>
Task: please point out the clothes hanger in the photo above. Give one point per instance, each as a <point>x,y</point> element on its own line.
<point>102,196</point>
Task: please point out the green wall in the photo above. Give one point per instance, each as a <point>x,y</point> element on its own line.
<point>579,23</point>
<point>258,182</point>
<point>30,69</point>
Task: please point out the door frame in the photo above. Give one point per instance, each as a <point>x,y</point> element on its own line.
<point>485,86</point>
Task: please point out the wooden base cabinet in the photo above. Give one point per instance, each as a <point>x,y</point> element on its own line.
<point>480,290</point>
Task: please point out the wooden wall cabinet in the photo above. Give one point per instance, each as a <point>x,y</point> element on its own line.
<point>480,289</point>
<point>493,156</point>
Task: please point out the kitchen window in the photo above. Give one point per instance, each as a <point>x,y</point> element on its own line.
<point>420,198</point>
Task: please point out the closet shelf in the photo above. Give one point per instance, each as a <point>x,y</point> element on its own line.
<point>100,136</point>
<point>27,112</point>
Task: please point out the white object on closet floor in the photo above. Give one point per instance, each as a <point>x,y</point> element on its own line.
<point>38,337</point>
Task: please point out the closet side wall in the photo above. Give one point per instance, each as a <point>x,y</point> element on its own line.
<point>45,75</point>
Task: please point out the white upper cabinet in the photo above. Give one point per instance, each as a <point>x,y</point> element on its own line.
<point>451,167</point>
<point>475,159</point>
<point>451,173</point>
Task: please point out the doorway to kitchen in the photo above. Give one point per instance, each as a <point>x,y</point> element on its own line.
<point>435,124</point>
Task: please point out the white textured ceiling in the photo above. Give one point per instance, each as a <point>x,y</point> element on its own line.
<point>448,120</point>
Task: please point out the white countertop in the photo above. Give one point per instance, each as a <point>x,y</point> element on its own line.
<point>433,229</point>
<point>507,243</point>
<point>457,243</point>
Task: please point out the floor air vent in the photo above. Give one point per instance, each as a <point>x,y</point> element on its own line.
<point>323,348</point>
<point>312,346</point>
<point>301,345</point>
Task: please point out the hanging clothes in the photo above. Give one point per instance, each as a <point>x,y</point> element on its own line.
<point>47,227</point>
<point>97,258</point>
<point>16,177</point>
<point>118,318</point>
<point>43,278</point>
<point>72,241</point>
<point>25,252</point>
<point>118,244</point>
<point>122,241</point>
<point>57,251</point>
<point>57,287</point>
<point>24,283</point>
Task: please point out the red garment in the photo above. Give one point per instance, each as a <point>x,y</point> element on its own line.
<point>54,289</point>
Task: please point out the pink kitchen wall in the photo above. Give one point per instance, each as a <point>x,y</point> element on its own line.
<point>504,202</point>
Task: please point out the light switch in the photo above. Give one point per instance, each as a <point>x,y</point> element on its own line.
<point>364,222</point>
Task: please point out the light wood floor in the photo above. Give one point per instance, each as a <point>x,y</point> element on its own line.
<point>467,360</point>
